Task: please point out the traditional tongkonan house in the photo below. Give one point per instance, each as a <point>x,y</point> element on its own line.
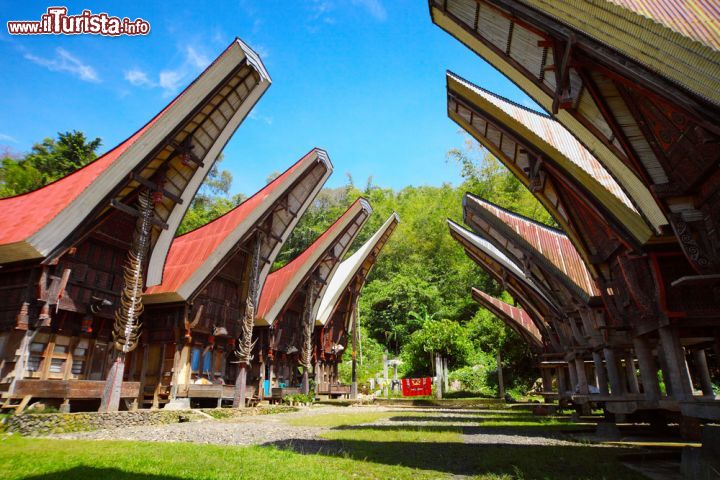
<point>199,320</point>
<point>77,254</point>
<point>556,268</point>
<point>290,301</point>
<point>337,316</point>
<point>638,87</point>
<point>545,314</point>
<point>600,220</point>
<point>514,317</point>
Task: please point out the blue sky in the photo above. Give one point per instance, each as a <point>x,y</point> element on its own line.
<point>364,79</point>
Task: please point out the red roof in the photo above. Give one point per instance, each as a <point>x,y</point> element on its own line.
<point>554,245</point>
<point>279,280</point>
<point>23,215</point>
<point>189,251</point>
<point>514,314</point>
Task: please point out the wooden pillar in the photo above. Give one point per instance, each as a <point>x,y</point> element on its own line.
<point>703,372</point>
<point>546,376</point>
<point>612,372</point>
<point>676,364</point>
<point>582,385</point>
<point>572,372</point>
<point>385,375</point>
<point>600,374</point>
<point>630,372</point>
<point>648,369</point>
<point>501,380</point>
<point>561,381</point>
<point>446,384</point>
<point>353,378</point>
<point>175,371</point>
<point>110,401</point>
<point>438,377</point>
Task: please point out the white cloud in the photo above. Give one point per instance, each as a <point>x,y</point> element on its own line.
<point>7,138</point>
<point>256,115</point>
<point>66,62</point>
<point>137,77</point>
<point>374,7</point>
<point>195,58</point>
<point>170,80</point>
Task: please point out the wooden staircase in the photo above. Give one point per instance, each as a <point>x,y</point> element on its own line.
<point>14,404</point>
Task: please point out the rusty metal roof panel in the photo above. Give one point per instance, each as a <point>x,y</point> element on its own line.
<point>552,244</point>
<point>510,314</point>
<point>679,39</point>
<point>554,135</point>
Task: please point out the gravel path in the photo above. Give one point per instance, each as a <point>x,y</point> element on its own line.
<point>265,429</point>
<point>250,430</point>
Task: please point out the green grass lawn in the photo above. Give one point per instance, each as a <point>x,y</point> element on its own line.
<point>349,449</point>
<point>336,420</point>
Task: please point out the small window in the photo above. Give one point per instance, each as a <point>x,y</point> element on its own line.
<point>56,365</point>
<point>36,347</point>
<point>60,349</point>
<point>80,352</point>
<point>78,367</point>
<point>33,364</point>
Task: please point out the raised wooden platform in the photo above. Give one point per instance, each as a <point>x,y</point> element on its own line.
<point>71,389</point>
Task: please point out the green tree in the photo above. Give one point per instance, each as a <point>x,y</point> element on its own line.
<point>444,337</point>
<point>46,162</point>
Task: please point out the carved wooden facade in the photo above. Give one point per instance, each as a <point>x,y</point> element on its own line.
<point>652,122</point>
<point>292,294</point>
<point>195,316</point>
<point>63,247</point>
<point>338,305</point>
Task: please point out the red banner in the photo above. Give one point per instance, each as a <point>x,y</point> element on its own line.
<point>413,387</point>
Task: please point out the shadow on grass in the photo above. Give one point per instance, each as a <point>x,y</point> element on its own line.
<point>527,462</point>
<point>88,473</point>
<point>539,430</point>
<point>466,418</point>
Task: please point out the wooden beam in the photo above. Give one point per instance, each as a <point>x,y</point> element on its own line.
<point>155,187</point>
<point>135,213</point>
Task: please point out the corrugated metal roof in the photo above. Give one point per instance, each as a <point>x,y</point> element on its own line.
<point>283,278</point>
<point>552,244</point>
<point>350,267</point>
<point>189,251</point>
<point>696,19</point>
<point>509,314</point>
<point>553,134</point>
<point>678,39</point>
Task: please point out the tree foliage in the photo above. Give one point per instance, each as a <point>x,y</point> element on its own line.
<point>46,162</point>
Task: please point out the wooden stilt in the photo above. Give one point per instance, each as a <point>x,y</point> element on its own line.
<point>600,374</point>
<point>703,372</point>
<point>110,401</point>
<point>648,369</point>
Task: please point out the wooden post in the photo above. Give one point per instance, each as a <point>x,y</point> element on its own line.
<point>501,381</point>
<point>648,369</point>
<point>110,401</point>
<point>612,371</point>
<point>353,378</point>
<point>631,372</point>
<point>561,381</point>
<point>702,370</point>
<point>240,386</point>
<point>446,385</point>
<point>677,367</point>
<point>581,375</point>
<point>385,375</point>
<point>600,374</point>
<point>438,377</point>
